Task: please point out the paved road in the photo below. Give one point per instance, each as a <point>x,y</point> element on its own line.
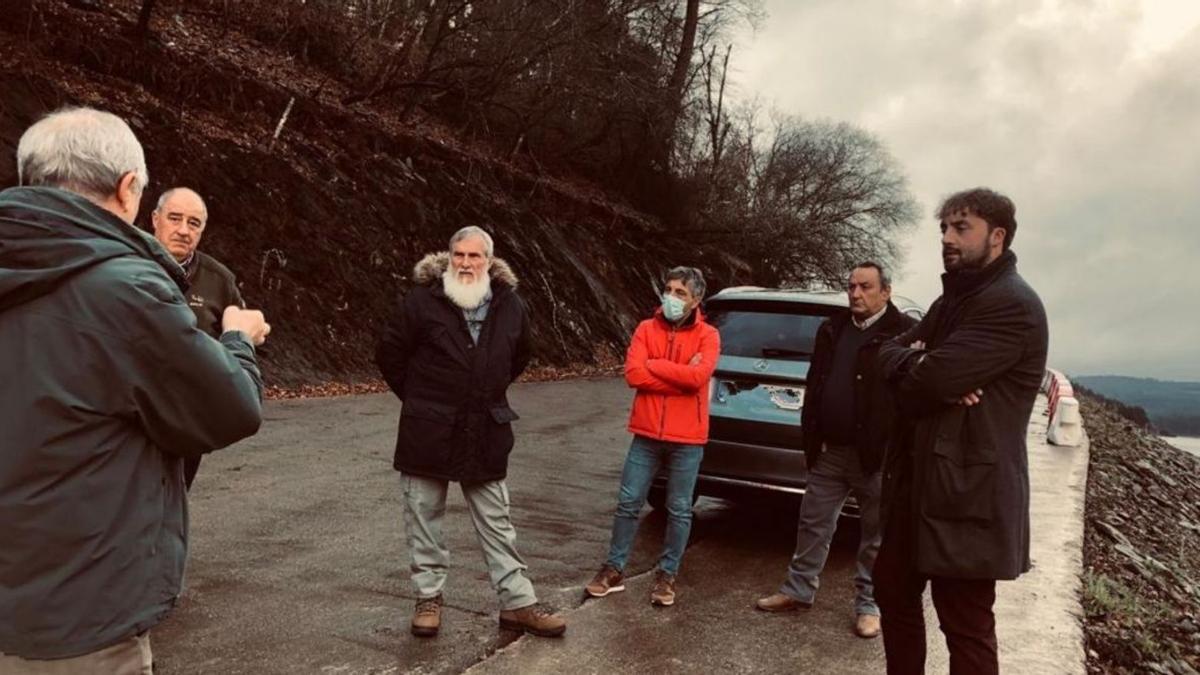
<point>298,562</point>
<point>299,566</point>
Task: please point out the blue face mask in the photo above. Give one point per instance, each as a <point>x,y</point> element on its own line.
<point>673,307</point>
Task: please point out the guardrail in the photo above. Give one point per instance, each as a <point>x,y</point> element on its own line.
<point>1066,424</point>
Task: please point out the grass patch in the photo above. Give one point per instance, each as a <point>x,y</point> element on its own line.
<point>1103,595</point>
<point>1112,602</point>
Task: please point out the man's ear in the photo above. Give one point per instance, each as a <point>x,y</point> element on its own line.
<point>997,235</point>
<point>128,196</point>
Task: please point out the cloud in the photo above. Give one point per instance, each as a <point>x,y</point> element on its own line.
<point>1085,112</point>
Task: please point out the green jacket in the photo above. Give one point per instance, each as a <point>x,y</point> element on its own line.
<point>107,384</point>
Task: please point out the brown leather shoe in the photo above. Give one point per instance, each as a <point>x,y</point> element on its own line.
<point>427,617</point>
<point>663,593</point>
<point>781,602</point>
<point>536,619</point>
<point>607,580</point>
<point>867,626</point>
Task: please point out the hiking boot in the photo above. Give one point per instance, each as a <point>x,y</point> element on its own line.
<point>867,626</point>
<point>537,619</point>
<point>427,617</point>
<point>663,593</point>
<point>781,602</point>
<point>607,580</point>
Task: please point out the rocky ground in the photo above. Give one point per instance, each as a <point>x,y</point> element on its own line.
<point>323,224</point>
<point>1141,550</point>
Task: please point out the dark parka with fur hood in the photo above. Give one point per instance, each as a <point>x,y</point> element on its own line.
<point>455,422</point>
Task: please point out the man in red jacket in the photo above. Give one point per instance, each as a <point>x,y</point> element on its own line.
<point>670,361</point>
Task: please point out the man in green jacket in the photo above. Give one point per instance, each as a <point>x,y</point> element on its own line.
<point>179,220</point>
<point>107,385</point>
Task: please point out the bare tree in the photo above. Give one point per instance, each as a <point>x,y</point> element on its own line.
<point>715,117</point>
<point>677,86</point>
<point>803,210</point>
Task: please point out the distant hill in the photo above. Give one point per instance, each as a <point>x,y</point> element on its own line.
<point>1173,407</point>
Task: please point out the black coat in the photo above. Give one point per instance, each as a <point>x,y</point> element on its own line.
<point>455,422</point>
<point>874,410</point>
<point>958,476</point>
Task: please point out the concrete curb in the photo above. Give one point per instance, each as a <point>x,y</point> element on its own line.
<point>1039,616</point>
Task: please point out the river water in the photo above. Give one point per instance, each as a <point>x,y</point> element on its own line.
<point>1185,443</point>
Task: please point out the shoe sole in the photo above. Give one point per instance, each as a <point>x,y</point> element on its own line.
<point>781,610</point>
<point>614,589</point>
<point>661,603</point>
<point>868,637</point>
<point>522,628</point>
<point>424,632</point>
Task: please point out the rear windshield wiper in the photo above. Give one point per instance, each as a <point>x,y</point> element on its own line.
<point>779,351</point>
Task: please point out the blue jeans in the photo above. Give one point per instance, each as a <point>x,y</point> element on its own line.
<point>838,470</point>
<point>645,457</point>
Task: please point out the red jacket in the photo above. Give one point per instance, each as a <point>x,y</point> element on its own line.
<point>672,396</point>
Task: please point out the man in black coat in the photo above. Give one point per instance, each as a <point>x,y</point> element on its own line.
<point>956,479</point>
<point>454,344</point>
<point>846,423</point>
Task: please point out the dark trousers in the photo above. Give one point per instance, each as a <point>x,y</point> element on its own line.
<point>190,466</point>
<point>964,610</point>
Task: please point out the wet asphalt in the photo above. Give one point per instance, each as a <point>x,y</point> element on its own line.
<point>298,562</point>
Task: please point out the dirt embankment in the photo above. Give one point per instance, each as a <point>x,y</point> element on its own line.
<point>323,225</point>
<point>1141,550</point>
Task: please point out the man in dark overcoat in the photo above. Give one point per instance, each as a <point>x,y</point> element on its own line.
<point>956,479</point>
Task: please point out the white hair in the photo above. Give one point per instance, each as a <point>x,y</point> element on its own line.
<point>162,199</point>
<point>83,150</point>
<point>472,231</point>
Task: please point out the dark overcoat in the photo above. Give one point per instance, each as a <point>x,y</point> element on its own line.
<point>962,471</point>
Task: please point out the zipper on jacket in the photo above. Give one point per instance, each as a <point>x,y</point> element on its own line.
<point>662,425</point>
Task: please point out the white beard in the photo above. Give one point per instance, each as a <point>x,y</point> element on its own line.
<point>466,296</point>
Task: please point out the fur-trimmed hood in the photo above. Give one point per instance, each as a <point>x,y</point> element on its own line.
<point>431,268</point>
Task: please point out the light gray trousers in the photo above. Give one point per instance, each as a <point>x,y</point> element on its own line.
<point>424,508</point>
<point>130,656</point>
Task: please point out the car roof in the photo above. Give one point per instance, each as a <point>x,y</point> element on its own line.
<point>800,295</point>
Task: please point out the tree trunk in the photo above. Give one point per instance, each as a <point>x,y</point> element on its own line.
<point>677,84</point>
<point>683,58</point>
<point>143,24</point>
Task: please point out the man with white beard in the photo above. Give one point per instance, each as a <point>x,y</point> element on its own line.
<point>454,343</point>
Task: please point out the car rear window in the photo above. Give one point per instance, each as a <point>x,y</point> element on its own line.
<point>773,330</point>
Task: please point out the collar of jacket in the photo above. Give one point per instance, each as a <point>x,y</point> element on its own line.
<point>429,270</point>
<point>45,226</point>
<point>964,282</point>
<point>689,322</point>
<point>888,323</point>
<point>191,265</point>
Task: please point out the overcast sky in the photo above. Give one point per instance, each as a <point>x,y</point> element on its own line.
<point>1085,112</point>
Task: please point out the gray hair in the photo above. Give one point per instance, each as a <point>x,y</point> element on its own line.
<point>83,150</point>
<point>472,231</point>
<point>162,199</point>
<point>691,277</point>
<point>885,279</point>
